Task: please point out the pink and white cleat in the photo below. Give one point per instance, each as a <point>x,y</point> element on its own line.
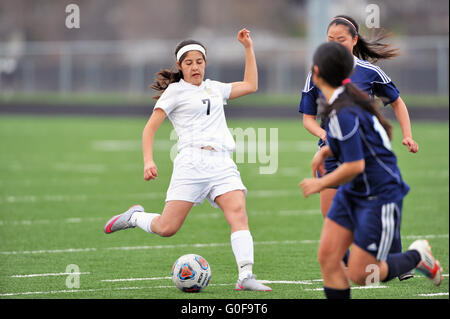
<point>122,221</point>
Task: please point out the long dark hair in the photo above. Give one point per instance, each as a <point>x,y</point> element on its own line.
<point>371,51</point>
<point>335,64</point>
<point>165,76</point>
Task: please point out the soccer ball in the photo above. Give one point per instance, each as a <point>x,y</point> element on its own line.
<point>191,273</point>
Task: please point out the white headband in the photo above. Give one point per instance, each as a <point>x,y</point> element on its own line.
<point>190,47</point>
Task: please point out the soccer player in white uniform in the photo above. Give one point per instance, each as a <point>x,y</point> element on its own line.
<point>203,167</point>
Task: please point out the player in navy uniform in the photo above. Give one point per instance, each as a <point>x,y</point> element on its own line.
<point>367,77</point>
<point>366,211</point>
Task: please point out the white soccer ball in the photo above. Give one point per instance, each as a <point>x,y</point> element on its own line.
<point>191,273</point>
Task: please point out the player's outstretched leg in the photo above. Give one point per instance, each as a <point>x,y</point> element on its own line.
<point>122,221</point>
<point>428,265</point>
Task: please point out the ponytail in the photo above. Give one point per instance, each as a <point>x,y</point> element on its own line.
<point>371,51</point>
<point>374,50</point>
<point>163,79</point>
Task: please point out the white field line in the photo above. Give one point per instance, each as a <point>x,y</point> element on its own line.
<point>357,287</point>
<point>268,193</point>
<point>48,251</point>
<point>284,242</point>
<point>65,291</point>
<point>51,274</point>
<point>72,220</point>
<point>30,198</point>
<point>167,145</point>
<point>213,215</point>
<point>435,294</point>
<point>52,292</point>
<point>196,245</point>
<point>302,282</point>
<point>135,279</point>
<point>12,199</point>
<point>298,282</point>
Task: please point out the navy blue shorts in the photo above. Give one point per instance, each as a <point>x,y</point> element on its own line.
<point>375,226</point>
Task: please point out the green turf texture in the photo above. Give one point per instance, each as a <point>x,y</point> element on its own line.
<point>59,184</point>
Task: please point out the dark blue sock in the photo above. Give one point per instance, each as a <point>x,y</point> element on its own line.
<point>331,293</point>
<point>401,263</point>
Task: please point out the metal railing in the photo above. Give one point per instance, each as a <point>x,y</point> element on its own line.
<point>129,66</point>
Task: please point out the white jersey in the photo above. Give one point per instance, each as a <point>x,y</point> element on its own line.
<point>197,114</point>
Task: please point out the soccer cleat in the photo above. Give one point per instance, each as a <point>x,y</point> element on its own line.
<point>122,221</point>
<point>250,283</point>
<point>428,265</point>
<point>406,276</point>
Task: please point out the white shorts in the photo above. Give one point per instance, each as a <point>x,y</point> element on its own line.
<point>199,174</point>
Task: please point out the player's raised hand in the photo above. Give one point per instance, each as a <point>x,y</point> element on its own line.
<point>244,37</point>
<point>150,171</point>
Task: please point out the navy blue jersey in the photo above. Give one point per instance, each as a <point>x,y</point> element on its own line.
<point>354,134</point>
<point>366,76</point>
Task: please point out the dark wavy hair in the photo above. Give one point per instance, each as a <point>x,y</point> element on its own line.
<point>371,51</point>
<point>165,76</point>
<point>335,64</point>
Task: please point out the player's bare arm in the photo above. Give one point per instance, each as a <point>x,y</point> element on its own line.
<point>148,135</point>
<point>344,173</point>
<point>311,125</point>
<point>402,115</point>
<point>250,82</point>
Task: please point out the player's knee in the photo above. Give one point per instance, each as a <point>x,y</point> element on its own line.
<point>357,276</point>
<point>326,259</point>
<point>237,213</point>
<point>167,231</point>
<point>238,209</point>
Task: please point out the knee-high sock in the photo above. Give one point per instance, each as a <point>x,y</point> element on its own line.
<point>401,263</point>
<point>242,245</point>
<point>143,220</point>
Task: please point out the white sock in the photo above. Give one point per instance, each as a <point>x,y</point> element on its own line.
<point>143,220</point>
<point>242,245</point>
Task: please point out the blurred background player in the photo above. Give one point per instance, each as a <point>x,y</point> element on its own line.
<point>367,77</point>
<point>203,167</point>
<point>366,211</point>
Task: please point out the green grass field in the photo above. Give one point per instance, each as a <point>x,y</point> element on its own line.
<point>62,178</point>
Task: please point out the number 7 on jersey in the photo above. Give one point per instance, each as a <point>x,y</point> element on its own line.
<point>208,102</point>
